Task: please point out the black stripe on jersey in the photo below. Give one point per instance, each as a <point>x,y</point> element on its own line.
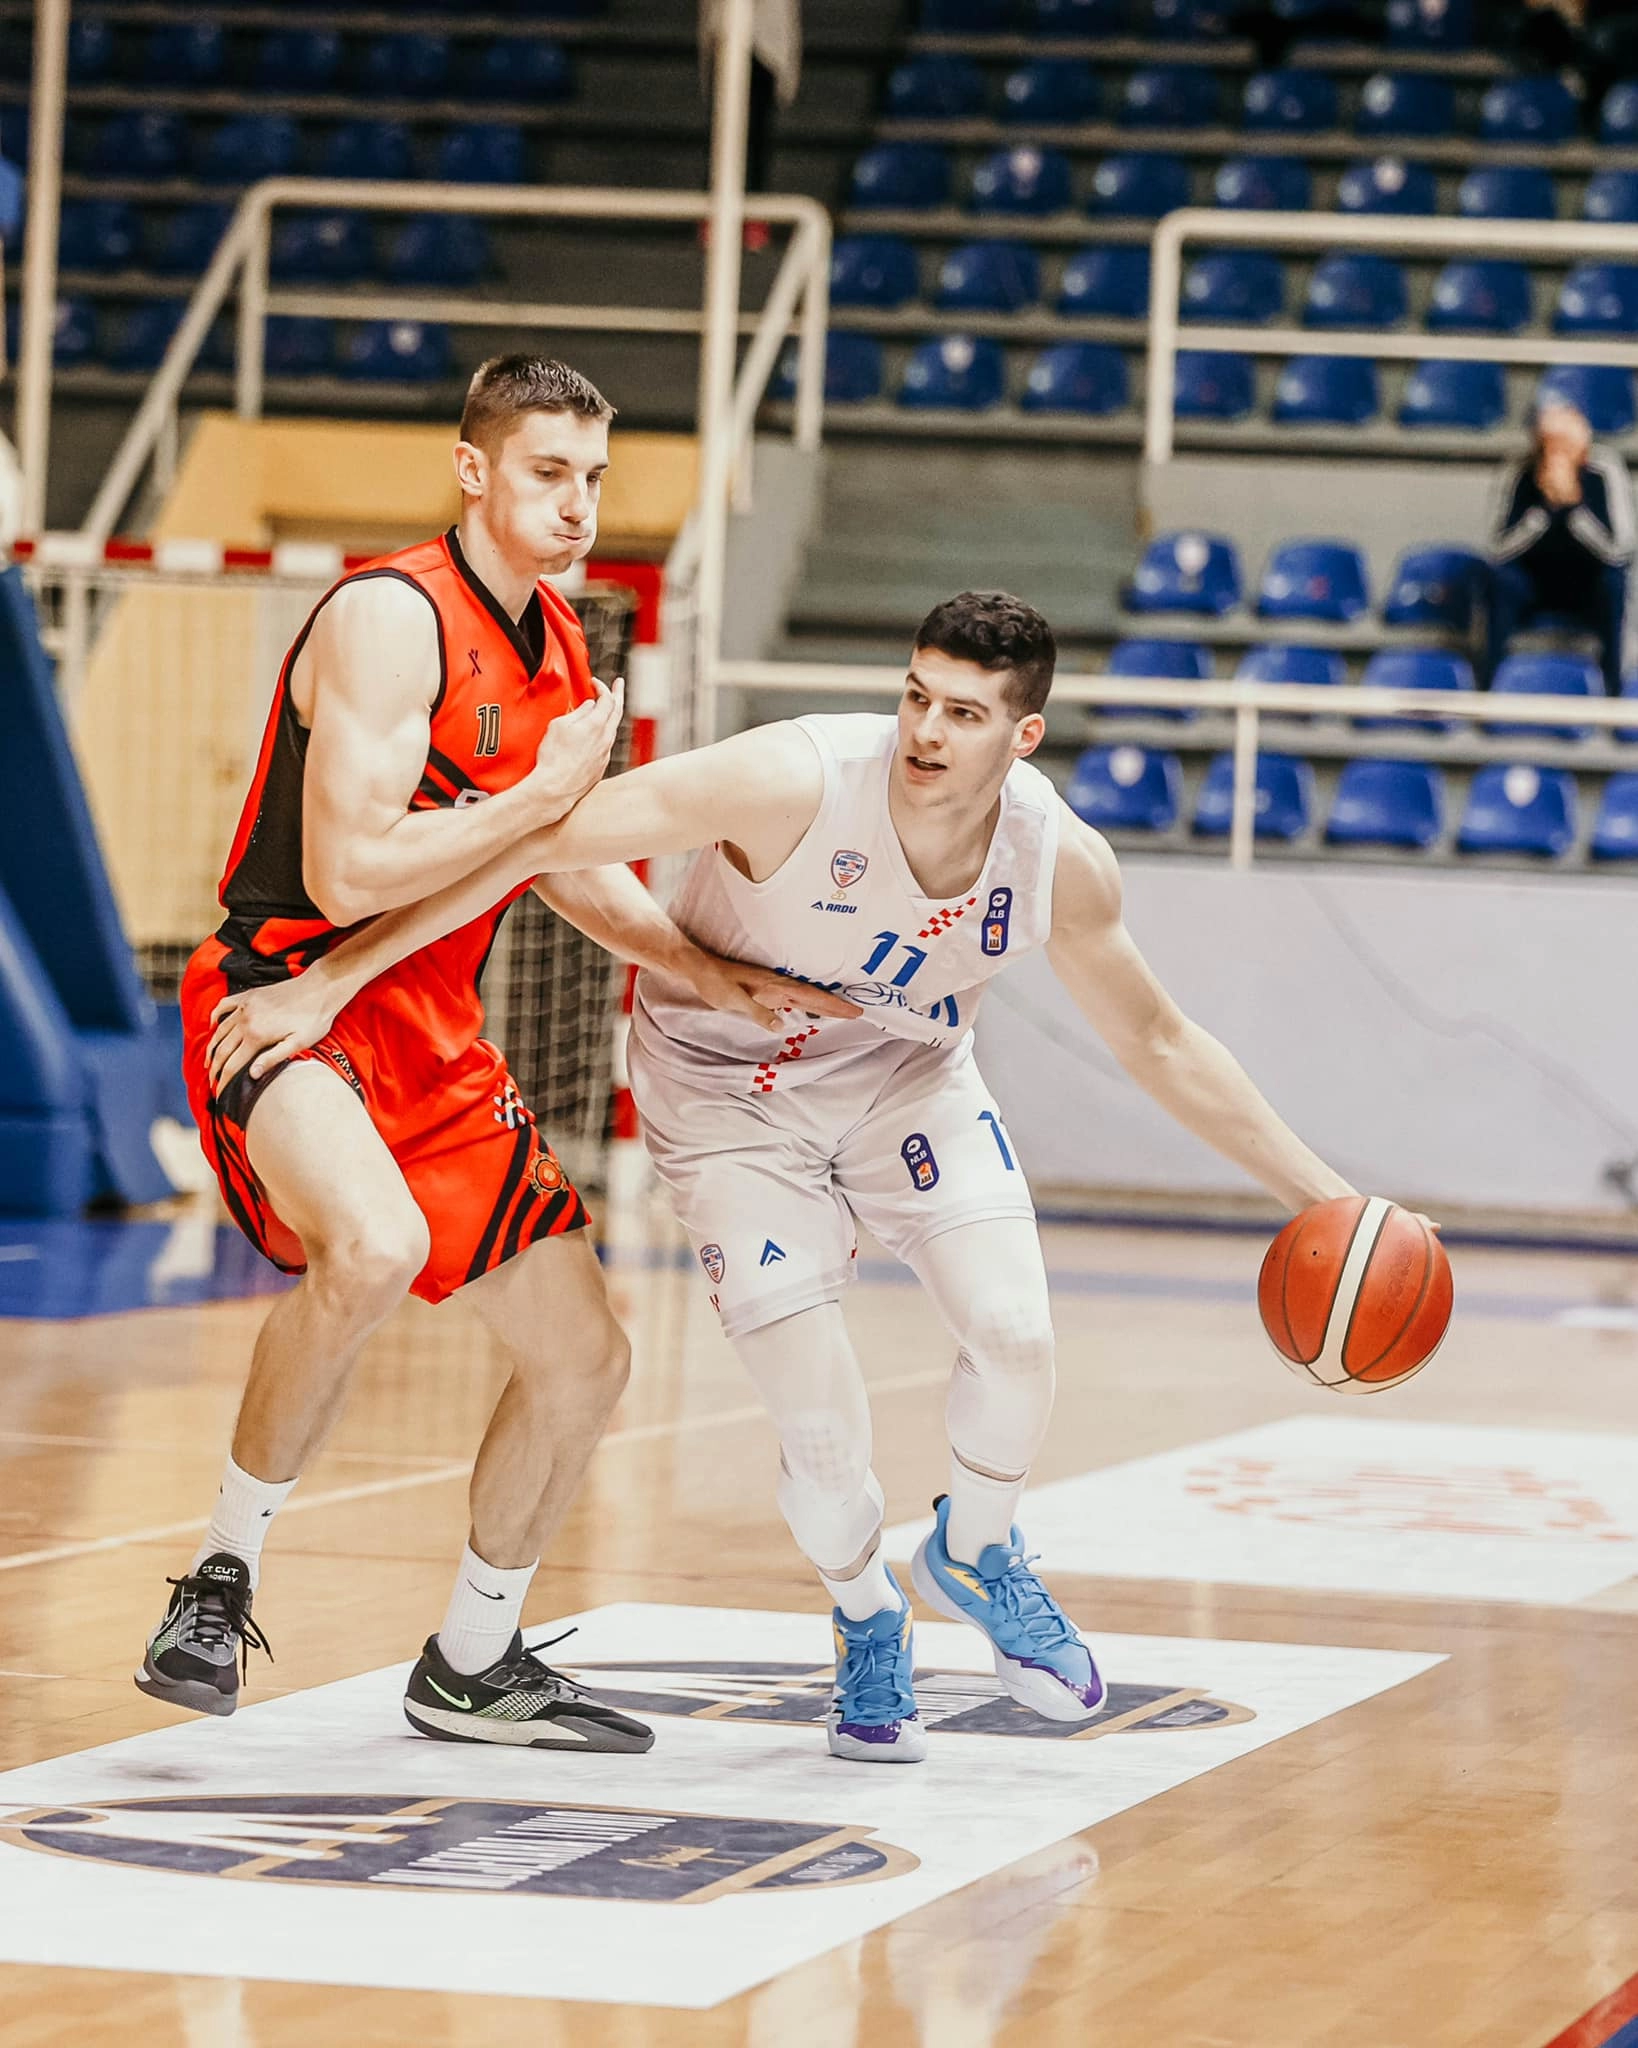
<point>503,1202</point>
<point>559,1214</point>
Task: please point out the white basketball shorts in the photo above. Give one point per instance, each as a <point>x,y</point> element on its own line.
<point>907,1142</point>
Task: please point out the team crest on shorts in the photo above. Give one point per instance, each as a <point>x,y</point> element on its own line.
<point>546,1174</point>
<point>714,1263</point>
<point>997,916</point>
<point>917,1155</point>
<point>846,867</point>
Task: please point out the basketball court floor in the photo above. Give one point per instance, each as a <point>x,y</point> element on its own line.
<point>1363,1780</point>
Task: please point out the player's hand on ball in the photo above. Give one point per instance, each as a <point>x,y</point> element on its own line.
<point>263,1027</point>
<point>575,748</point>
<point>760,994</point>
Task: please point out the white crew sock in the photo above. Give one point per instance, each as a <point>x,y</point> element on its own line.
<point>485,1610</point>
<point>866,1593</point>
<point>244,1509</point>
<point>981,1511</point>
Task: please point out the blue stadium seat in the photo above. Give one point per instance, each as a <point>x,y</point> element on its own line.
<point>1436,586</point>
<point>1110,282</point>
<point>968,17</point>
<point>1327,391</point>
<point>1430,24</point>
<point>1211,384</point>
<point>1611,195</point>
<point>1057,92</point>
<point>150,145</point>
<point>142,337</point>
<point>1598,298</point>
<point>184,53</point>
<point>1515,809</point>
<point>1387,803</point>
<point>1356,291</point>
<point>1026,181</point>
<point>1314,579</point>
<point>1186,572</point>
<point>853,369</point>
<point>963,372</point>
<point>408,351</point>
<point>297,61</point>
<point>1170,96</point>
<point>91,51</point>
<point>1319,667</point>
<point>1507,192</point>
<point>1087,18</point>
<point>1234,285</point>
<point>97,234</point>
<point>1602,393</point>
<point>1387,184</point>
<point>873,270</point>
<point>1406,103</point>
<point>73,334</point>
<point>1188,21</point>
<point>474,155</point>
<point>1468,396</point>
<point>249,147</point>
<point>185,243</point>
<point>1264,184</point>
<point>1545,675</point>
<point>329,247</point>
<point>1139,187</point>
<point>908,176</point>
<point>1536,110</point>
<point>1084,377</point>
<point>988,277</point>
<point>1166,660</point>
<point>370,149</point>
<point>297,346</point>
<point>405,67</point>
<point>439,248</point>
<point>1289,102</point>
<point>515,68</point>
<point>936,88</point>
<point>1491,296</point>
<point>1615,833</point>
<point>1618,117</point>
<point>1126,789</point>
<point>1414,668</point>
<point>1285,798</point>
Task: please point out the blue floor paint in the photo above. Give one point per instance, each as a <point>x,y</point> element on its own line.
<point>61,1270</point>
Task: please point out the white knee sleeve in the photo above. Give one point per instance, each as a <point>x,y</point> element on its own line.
<point>990,1286</point>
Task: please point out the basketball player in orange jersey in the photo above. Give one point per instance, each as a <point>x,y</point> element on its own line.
<point>436,707</point>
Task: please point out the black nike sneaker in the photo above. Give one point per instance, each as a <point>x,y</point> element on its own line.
<point>195,1655</point>
<point>520,1700</point>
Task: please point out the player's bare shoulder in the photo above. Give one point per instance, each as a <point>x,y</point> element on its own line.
<point>1086,885</point>
<point>773,781</point>
<point>375,634</point>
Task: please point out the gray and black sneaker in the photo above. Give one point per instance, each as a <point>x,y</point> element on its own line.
<point>195,1655</point>
<point>520,1700</point>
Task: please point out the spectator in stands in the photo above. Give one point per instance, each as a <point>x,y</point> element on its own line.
<point>1563,539</point>
<point>1593,40</point>
<point>776,67</point>
<point>1274,29</point>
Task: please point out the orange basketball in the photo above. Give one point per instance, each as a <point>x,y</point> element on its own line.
<point>1355,1294</point>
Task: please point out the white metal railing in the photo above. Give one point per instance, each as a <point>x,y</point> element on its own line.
<point>1249,702</point>
<point>1398,233</point>
<point>799,299</point>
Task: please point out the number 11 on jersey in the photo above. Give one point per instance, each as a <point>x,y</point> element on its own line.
<point>885,943</point>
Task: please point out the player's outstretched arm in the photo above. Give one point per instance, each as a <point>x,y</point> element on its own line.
<point>373,667</point>
<point>1171,1058</point>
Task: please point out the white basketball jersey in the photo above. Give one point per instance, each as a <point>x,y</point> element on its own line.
<point>845,911</point>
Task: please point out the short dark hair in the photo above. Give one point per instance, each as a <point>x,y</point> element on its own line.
<point>996,631</point>
<point>506,387</point>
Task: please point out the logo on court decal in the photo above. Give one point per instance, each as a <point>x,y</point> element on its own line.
<point>714,1263</point>
<point>954,1702</point>
<point>997,916</point>
<point>484,1847</point>
<point>772,1254</point>
<point>846,867</point>
<point>917,1155</point>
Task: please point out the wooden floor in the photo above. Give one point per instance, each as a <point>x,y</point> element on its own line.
<point>1446,1865</point>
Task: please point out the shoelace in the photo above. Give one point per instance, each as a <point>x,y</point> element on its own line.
<point>1022,1597</point>
<point>527,1670</point>
<point>218,1615</point>
<point>877,1693</point>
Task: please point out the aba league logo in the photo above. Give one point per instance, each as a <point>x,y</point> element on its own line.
<point>846,867</point>
<point>486,1847</point>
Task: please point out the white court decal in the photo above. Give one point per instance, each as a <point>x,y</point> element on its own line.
<point>736,1849</point>
<point>1346,1504</point>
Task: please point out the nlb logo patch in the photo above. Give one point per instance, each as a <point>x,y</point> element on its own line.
<point>488,1847</point>
<point>846,867</point>
<point>954,1702</point>
<point>714,1263</point>
<point>997,918</point>
<point>917,1155</point>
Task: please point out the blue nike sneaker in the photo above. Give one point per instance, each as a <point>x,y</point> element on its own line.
<point>873,1718</point>
<point>1039,1655</point>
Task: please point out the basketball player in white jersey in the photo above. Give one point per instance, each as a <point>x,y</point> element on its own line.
<point>900,863</point>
